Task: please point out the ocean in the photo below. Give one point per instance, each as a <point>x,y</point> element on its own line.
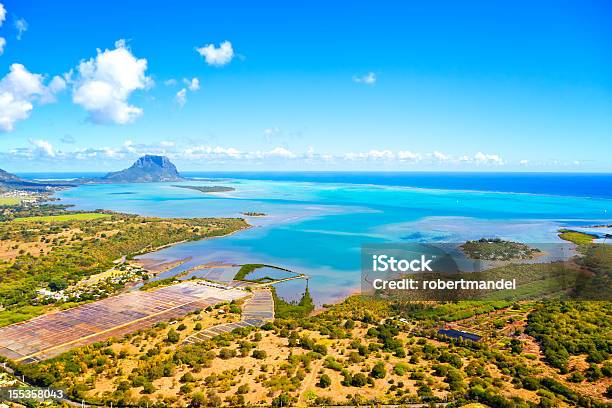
<point>316,223</point>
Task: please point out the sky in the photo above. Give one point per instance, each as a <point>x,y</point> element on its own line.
<point>365,85</point>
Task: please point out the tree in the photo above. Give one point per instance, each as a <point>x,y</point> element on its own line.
<point>378,371</point>
<point>56,285</point>
<point>197,400</point>
<point>283,400</point>
<point>359,380</point>
<point>172,337</point>
<point>324,381</point>
<point>148,388</point>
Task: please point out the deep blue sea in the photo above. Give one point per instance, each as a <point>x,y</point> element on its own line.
<point>565,184</point>
<point>317,222</point>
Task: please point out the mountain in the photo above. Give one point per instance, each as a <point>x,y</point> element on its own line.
<point>9,181</point>
<point>5,176</point>
<point>147,169</point>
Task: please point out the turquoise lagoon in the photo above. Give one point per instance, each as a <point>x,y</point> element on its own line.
<point>318,228</point>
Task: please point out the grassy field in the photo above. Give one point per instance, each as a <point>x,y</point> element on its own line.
<point>64,217</point>
<point>10,201</point>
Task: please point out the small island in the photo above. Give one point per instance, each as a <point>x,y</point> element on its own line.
<point>496,249</point>
<point>208,189</point>
<point>254,214</point>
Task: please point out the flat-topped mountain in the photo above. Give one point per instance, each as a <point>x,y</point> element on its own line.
<point>147,169</point>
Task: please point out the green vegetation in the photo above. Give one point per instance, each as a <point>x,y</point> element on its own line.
<point>300,309</point>
<point>9,201</point>
<point>360,352</point>
<point>15,211</point>
<point>365,351</point>
<point>245,270</point>
<point>578,238</point>
<point>63,217</point>
<point>158,283</point>
<point>448,312</point>
<point>567,329</point>
<point>495,249</point>
<point>75,248</point>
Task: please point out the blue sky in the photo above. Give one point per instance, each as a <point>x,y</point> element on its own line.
<point>368,86</point>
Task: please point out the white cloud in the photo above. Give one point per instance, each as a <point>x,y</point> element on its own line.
<point>170,82</point>
<point>104,85</point>
<point>524,162</point>
<point>2,44</point>
<point>271,132</point>
<point>371,155</point>
<point>193,84</point>
<point>217,56</point>
<point>482,158</point>
<point>207,152</point>
<point>2,14</point>
<point>440,156</point>
<point>280,152</point>
<point>57,85</point>
<point>18,90</point>
<point>181,97</point>
<point>43,148</point>
<point>368,79</point>
<point>22,26</point>
<point>219,154</point>
<point>407,155</point>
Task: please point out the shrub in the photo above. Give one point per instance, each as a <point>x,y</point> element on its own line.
<point>378,371</point>
<point>324,381</point>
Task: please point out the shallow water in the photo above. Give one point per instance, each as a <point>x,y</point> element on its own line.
<point>318,228</point>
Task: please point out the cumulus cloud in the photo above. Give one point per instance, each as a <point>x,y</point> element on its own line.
<point>193,84</point>
<point>371,155</point>
<point>105,83</point>
<point>181,97</point>
<point>217,56</point>
<point>440,156</point>
<point>368,79</point>
<point>280,152</point>
<point>2,14</point>
<point>22,26</point>
<point>407,155</point>
<point>524,162</point>
<point>43,147</point>
<point>272,132</point>
<point>482,158</point>
<point>2,18</point>
<point>188,151</point>
<point>19,89</point>
<point>170,82</point>
<point>208,152</point>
